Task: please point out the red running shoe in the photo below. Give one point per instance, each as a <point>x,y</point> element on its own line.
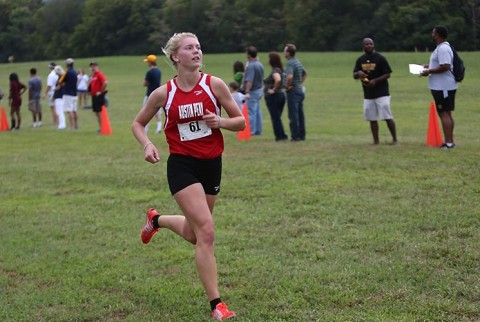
<point>148,230</point>
<point>221,312</point>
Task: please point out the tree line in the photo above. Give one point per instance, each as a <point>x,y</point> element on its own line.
<point>48,29</point>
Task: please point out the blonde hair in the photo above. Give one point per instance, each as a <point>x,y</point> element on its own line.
<point>174,43</point>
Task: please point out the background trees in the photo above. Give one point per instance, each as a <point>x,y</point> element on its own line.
<point>36,29</point>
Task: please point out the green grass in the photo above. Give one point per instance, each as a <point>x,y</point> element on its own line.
<point>330,229</point>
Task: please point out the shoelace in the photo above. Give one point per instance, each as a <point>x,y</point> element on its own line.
<point>148,227</point>
<point>221,307</point>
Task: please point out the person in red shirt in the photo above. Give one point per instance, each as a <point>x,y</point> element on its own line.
<point>192,102</point>
<point>98,89</point>
<point>15,100</point>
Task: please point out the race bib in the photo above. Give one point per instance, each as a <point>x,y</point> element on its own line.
<point>193,130</point>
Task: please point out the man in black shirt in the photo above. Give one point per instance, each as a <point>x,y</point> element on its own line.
<point>373,70</point>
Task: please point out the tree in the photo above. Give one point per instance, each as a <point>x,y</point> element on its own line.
<point>40,29</point>
<point>15,25</point>
<point>471,8</point>
<point>55,24</point>
<point>225,27</point>
<point>310,26</point>
<point>116,27</point>
<point>353,21</point>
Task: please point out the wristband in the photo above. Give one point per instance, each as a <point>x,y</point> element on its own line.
<point>146,144</point>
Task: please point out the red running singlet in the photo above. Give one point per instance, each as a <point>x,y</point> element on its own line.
<point>185,130</point>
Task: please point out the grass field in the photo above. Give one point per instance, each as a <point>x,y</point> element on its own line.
<point>330,229</point>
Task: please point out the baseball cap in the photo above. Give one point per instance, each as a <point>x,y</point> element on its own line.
<point>52,65</point>
<point>151,59</point>
<point>69,61</point>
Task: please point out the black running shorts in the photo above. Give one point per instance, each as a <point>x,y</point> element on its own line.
<point>183,171</point>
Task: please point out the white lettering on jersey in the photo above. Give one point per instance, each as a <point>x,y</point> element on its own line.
<point>190,110</point>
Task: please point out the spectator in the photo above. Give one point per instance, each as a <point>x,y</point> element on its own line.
<point>51,83</point>
<point>237,96</point>
<point>152,81</point>
<point>374,71</point>
<point>238,72</point>
<point>69,83</point>
<point>275,95</point>
<point>82,88</point>
<point>15,101</point>
<point>34,97</point>
<point>295,76</point>
<point>58,99</point>
<point>253,82</point>
<point>98,90</point>
<point>441,82</point>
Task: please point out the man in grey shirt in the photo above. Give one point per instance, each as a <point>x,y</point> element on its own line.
<point>34,97</point>
<point>295,76</point>
<point>253,85</point>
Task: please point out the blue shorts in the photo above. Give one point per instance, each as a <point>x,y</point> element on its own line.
<point>183,171</point>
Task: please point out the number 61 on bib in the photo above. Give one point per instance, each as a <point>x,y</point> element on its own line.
<point>193,130</point>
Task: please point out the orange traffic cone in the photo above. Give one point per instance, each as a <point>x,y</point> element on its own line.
<point>105,128</point>
<point>434,137</point>
<point>3,120</point>
<point>245,134</point>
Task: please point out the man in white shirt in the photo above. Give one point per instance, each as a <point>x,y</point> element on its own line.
<point>51,83</point>
<point>442,83</point>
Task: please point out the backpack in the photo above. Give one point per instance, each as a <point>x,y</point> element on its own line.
<point>458,66</point>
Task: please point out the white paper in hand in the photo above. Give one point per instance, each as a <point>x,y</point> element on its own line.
<point>415,69</point>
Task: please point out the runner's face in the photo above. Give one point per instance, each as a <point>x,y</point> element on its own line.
<point>189,52</point>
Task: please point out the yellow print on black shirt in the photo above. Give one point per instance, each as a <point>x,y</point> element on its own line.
<point>368,67</point>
